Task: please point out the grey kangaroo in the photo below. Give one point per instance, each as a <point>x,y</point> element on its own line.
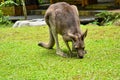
<point>63,18</point>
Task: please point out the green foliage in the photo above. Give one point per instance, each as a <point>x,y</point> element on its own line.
<point>40,1</point>
<point>4,19</point>
<point>107,18</point>
<point>22,59</point>
<point>1,13</point>
<point>8,3</point>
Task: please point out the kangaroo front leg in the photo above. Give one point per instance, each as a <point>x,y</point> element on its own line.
<point>69,48</point>
<point>73,48</point>
<point>58,50</point>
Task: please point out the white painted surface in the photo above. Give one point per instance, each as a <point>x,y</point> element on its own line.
<point>32,23</point>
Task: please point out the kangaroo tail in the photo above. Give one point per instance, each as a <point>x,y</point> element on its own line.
<point>51,38</point>
<point>48,45</point>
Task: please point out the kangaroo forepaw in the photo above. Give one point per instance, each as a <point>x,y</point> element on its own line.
<point>60,53</point>
<point>71,55</point>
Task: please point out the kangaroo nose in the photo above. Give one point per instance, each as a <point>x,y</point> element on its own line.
<point>80,57</point>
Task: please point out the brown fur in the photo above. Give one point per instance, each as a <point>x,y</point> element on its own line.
<point>63,19</point>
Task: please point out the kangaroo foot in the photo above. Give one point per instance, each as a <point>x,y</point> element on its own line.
<point>71,55</point>
<point>60,53</point>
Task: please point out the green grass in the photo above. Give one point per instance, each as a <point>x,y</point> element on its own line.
<point>22,59</point>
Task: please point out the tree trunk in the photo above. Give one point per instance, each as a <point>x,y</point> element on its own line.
<point>24,9</point>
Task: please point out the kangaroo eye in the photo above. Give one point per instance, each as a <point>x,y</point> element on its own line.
<point>83,48</point>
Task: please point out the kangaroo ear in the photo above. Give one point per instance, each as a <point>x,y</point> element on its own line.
<point>72,36</point>
<point>84,34</point>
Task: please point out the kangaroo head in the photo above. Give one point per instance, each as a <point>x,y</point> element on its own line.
<point>78,43</point>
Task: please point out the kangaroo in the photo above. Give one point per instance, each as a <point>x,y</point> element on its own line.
<point>63,18</point>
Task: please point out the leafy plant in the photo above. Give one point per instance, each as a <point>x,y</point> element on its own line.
<point>8,3</point>
<point>106,18</point>
<point>4,19</point>
<point>1,13</point>
<point>41,1</point>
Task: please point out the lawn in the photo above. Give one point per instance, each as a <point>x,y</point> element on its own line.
<point>22,59</point>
